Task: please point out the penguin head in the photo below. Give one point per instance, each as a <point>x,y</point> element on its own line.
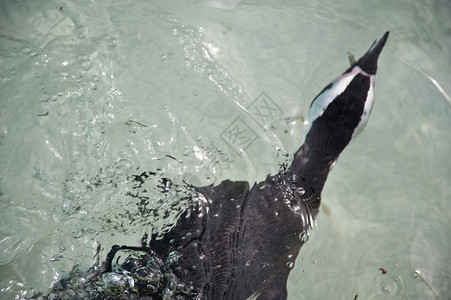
<point>342,109</point>
<point>368,62</point>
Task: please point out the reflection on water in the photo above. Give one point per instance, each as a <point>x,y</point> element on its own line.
<point>95,94</point>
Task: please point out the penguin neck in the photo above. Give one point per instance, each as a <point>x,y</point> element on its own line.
<point>314,159</point>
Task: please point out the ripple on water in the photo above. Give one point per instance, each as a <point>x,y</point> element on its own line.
<point>384,283</point>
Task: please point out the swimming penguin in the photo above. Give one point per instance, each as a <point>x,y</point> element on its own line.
<point>238,241</point>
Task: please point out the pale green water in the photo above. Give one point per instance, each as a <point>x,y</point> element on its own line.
<point>94,92</point>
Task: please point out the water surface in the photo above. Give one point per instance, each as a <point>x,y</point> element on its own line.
<point>93,93</point>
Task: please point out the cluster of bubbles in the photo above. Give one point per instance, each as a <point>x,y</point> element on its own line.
<point>62,74</point>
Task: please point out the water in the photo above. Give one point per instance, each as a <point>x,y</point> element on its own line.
<point>93,93</point>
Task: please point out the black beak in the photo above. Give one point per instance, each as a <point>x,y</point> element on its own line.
<point>368,62</point>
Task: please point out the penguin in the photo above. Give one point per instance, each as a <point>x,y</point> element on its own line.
<point>241,241</point>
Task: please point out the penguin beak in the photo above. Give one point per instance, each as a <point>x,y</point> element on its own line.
<point>368,62</point>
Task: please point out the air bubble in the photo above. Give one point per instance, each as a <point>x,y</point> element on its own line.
<point>290,265</point>
<point>304,236</point>
<point>248,263</point>
<point>86,65</point>
<point>301,190</point>
<point>42,110</point>
<point>187,151</point>
<point>44,98</point>
<point>82,32</point>
<point>92,85</point>
<point>163,57</point>
<point>111,42</point>
<point>173,258</point>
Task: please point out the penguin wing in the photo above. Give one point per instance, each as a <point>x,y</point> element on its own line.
<point>205,237</point>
